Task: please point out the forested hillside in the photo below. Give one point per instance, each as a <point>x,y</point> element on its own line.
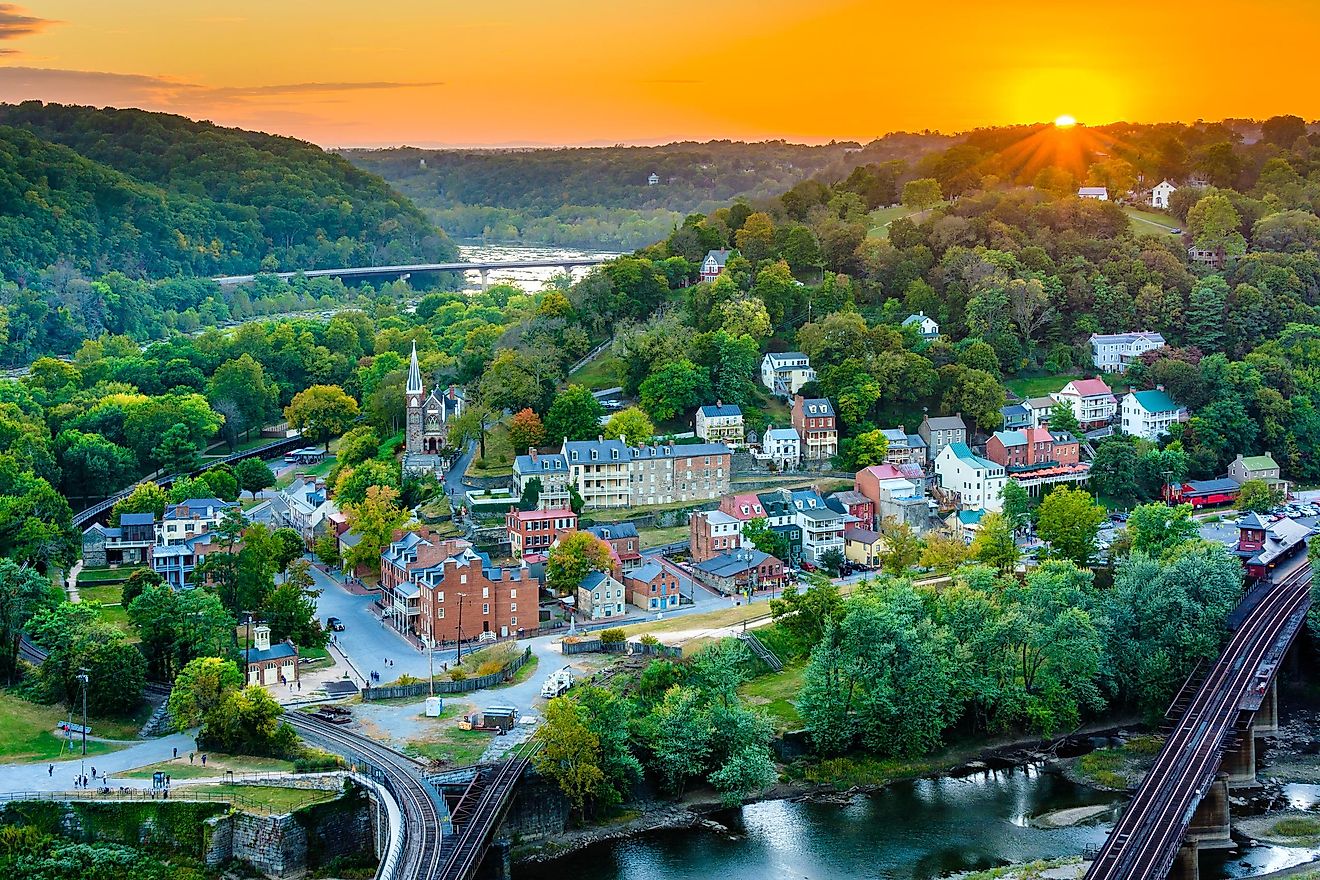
<point>110,220</point>
<point>601,197</point>
<point>201,199</point>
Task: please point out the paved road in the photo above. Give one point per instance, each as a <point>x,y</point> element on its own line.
<point>35,777</point>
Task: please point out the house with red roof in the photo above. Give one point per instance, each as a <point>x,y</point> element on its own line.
<point>744,506</point>
<point>1091,401</point>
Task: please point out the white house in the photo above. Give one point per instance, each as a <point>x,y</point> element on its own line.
<point>713,265</point>
<point>1038,410</point>
<point>1091,401</point>
<point>653,179</point>
<point>782,446</point>
<point>1113,352</point>
<point>785,372</point>
<point>978,481</point>
<point>822,526</point>
<point>1099,193</point>
<point>926,325</point>
<point>720,423</point>
<point>1159,194</point>
<point>190,518</point>
<point>599,596</point>
<point>1149,414</point>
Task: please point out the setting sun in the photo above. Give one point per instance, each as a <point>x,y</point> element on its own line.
<point>1064,121</point>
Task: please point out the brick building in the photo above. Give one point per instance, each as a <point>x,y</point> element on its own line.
<point>712,532</point>
<point>652,587</point>
<point>533,531</point>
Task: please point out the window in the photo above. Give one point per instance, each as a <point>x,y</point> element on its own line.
<point>440,596</point>
<point>513,594</point>
<point>513,606</point>
<point>462,579</point>
<point>485,592</point>
<point>485,608</point>
<point>440,613</point>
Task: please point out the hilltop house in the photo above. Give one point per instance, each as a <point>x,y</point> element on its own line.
<point>1150,414</point>
<point>1113,352</point>
<point>926,325</point>
<point>1241,469</point>
<point>129,543</point>
<point>1091,402</point>
<point>978,482</point>
<point>782,447</point>
<point>813,419</point>
<point>784,373</point>
<point>904,448</point>
<point>653,179</point>
<point>187,519</point>
<point>713,265</point>
<point>551,470</point>
<point>720,423</point>
<point>1159,194</point>
<point>1099,193</point>
<point>1039,409</point>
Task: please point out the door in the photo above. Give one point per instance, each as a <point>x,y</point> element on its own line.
<point>504,632</point>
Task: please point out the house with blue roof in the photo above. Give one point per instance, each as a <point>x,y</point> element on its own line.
<point>720,423</point>
<point>976,482</point>
<point>1150,414</point>
<point>654,587</point>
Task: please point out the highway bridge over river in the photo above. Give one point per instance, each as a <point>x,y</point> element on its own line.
<point>568,264</point>
<point>1182,804</point>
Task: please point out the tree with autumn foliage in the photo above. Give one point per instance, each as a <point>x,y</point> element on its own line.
<point>572,558</point>
<point>526,431</point>
<point>375,521</point>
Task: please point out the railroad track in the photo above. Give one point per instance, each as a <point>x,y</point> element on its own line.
<point>422,856</point>
<point>469,844</point>
<point>1145,841</point>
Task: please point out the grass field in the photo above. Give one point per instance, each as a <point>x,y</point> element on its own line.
<point>27,731</point>
<point>216,765</point>
<point>774,693</point>
<point>1150,221</point>
<point>106,599</point>
<point>706,620</point>
<point>1039,386</point>
<point>453,746</point>
<point>277,798</point>
<point>659,537</point>
<point>106,575</point>
<point>606,371</point>
<point>498,461</point>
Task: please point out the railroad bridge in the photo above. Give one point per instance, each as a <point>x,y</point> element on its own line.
<point>1182,805</point>
<point>400,272</point>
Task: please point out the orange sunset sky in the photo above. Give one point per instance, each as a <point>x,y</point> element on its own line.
<point>495,72</point>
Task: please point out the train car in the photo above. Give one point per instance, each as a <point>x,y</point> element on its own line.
<point>1205,493</point>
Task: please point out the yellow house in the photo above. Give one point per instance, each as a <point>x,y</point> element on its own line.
<point>863,547</point>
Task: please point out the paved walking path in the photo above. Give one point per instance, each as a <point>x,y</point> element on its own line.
<point>36,777</point>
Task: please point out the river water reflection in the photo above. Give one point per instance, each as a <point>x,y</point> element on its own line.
<point>915,830</point>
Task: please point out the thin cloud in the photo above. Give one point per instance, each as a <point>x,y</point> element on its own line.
<point>15,23</point>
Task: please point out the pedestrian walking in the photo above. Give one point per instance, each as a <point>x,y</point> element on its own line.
<point>50,771</point>
<point>190,757</point>
<point>93,772</point>
<point>203,759</point>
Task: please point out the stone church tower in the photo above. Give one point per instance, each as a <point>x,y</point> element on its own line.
<point>414,395</point>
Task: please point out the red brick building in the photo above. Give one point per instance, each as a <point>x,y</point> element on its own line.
<point>653,587</point>
<point>533,531</point>
<point>712,533</point>
<point>624,541</point>
<point>1033,446</point>
<point>745,506</point>
<point>813,419</point>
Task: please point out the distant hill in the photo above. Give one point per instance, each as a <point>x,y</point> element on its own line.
<point>602,197</point>
<point>152,195</point>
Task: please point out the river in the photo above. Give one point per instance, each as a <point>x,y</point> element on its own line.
<point>530,280</point>
<point>916,830</point>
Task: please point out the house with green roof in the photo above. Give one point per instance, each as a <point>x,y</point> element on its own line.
<point>1150,414</point>
<point>977,482</point>
<point>1257,467</point>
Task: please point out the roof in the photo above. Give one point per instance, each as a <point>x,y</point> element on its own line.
<point>613,531</point>
<point>883,471</point>
<point>274,652</point>
<point>1210,487</point>
<point>1264,462</point>
<point>918,318</point>
<point>720,256</point>
<point>543,464</point>
<point>1252,520</point>
<point>1011,438</point>
<point>970,517</point>
<point>863,536</point>
<point>1089,387</point>
<point>593,579</point>
<point>1046,402</point>
<point>732,564</point>
<point>963,453</point>
<point>1279,539</point>
<point>1014,409</point>
<point>718,517</point>
<point>850,496</point>
<point>715,410</point>
<point>1153,401</point>
<point>946,423</point>
<point>780,434</point>
<point>1133,336</point>
<point>679,450</point>
<point>817,406</point>
<point>550,513</point>
<point>195,504</point>
<point>647,572</point>
<point>784,356</point>
<point>606,450</point>
<point>1164,183</point>
<point>414,383</point>
<point>1093,191</point>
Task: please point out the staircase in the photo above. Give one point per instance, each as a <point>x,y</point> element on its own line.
<point>764,654</point>
<point>160,721</point>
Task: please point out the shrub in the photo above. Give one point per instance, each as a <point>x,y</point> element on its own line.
<point>458,673</point>
<point>489,667</point>
<point>611,636</point>
<point>406,679</point>
<point>316,761</point>
<point>649,639</point>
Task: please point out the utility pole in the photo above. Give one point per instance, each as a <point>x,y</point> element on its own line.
<point>430,661</point>
<point>83,679</point>
<point>461,597</point>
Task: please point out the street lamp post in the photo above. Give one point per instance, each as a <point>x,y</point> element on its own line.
<point>430,661</point>
<point>84,680</point>
<point>459,658</point>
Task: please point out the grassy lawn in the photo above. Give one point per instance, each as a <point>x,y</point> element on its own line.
<point>459,748</point>
<point>498,461</point>
<point>851,770</point>
<point>606,371</point>
<point>658,537</point>
<point>1027,387</point>
<point>1150,221</point>
<point>1120,767</point>
<point>773,693</point>
<point>277,798</point>
<point>706,620</point>
<point>527,670</point>
<point>27,731</point>
<point>94,576</point>
<point>106,598</point>
<point>216,765</point>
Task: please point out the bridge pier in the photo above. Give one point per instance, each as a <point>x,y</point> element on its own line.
<point>1240,763</point>
<point>485,279</point>
<point>1210,827</point>
<point>1267,716</point>
<point>1188,864</point>
<point>498,863</point>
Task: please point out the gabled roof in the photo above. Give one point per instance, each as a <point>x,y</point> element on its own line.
<point>1093,191</point>
<point>614,531</point>
<point>593,579</point>
<point>781,434</point>
<point>647,572</point>
<point>719,256</point>
<point>1154,401</point>
<point>1112,338</point>
<point>1264,462</point>
<point>817,406</point>
<point>864,536</point>
<point>1253,520</point>
<point>963,453</point>
<point>732,564</point>
<point>274,652</point>
<point>711,411</point>
<point>544,464</point>
<point>1046,402</point>
<point>718,517</point>
<point>579,451</point>
<point>946,423</point>
<point>918,318</point>
<point>784,357</point>
<point>1011,438</point>
<point>1089,388</point>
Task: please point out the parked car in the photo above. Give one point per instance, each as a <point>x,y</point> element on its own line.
<point>334,624</point>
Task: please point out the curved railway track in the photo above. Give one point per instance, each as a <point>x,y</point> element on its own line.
<point>422,857</point>
<point>1145,841</point>
<point>464,855</point>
